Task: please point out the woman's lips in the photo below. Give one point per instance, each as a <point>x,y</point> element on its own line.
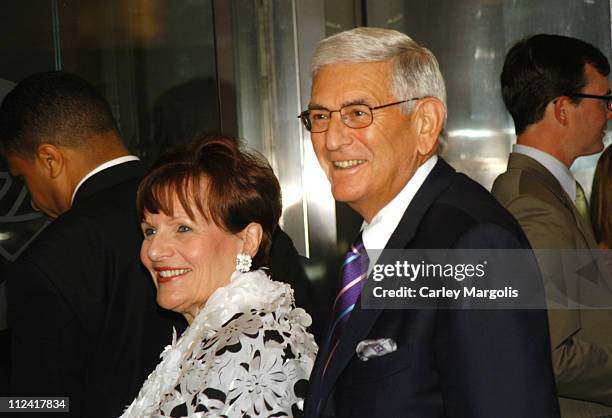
<point>168,274</point>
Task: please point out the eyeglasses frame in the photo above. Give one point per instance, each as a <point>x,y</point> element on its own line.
<point>303,115</point>
<point>607,98</point>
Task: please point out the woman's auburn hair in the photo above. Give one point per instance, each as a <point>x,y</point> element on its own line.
<point>226,185</point>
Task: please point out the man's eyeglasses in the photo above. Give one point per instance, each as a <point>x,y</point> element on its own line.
<point>355,116</point>
<point>606,99</point>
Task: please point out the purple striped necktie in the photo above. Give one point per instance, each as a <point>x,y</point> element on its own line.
<point>354,272</point>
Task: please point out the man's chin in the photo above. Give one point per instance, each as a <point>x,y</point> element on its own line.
<point>597,148</point>
<point>343,195</point>
<point>594,149</point>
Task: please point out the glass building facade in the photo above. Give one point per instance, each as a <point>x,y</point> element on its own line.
<point>173,68</point>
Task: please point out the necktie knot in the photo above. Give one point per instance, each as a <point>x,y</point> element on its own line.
<point>354,258</point>
<point>355,262</point>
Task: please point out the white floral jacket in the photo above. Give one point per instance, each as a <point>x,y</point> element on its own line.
<point>246,353</point>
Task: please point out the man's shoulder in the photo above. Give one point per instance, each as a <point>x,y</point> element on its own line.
<point>470,201</point>
<point>529,194</point>
<point>81,257</point>
<point>507,184</point>
<point>540,206</point>
<point>521,183</point>
<point>118,194</point>
<point>108,192</point>
<point>463,207</point>
<point>105,220</point>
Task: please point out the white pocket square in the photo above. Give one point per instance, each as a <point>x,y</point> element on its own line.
<point>368,349</point>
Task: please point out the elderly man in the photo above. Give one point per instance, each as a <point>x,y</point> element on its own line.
<point>376,112</point>
<point>557,91</point>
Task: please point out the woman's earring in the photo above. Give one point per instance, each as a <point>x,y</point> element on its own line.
<point>243,262</point>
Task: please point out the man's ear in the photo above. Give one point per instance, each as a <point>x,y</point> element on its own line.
<point>430,114</point>
<point>51,159</point>
<point>561,109</point>
<point>251,236</point>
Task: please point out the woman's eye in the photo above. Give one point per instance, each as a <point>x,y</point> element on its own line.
<point>148,232</point>
<point>183,228</point>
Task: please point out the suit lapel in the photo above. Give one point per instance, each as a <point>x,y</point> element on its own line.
<point>436,182</point>
<point>362,320</point>
<point>523,162</point>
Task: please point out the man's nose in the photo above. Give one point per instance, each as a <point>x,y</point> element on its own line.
<point>336,135</point>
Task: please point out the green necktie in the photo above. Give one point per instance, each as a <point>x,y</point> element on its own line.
<point>581,203</point>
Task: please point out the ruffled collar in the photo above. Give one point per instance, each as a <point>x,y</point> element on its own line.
<point>252,290</point>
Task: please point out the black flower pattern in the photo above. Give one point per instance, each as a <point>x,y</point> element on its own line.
<point>254,363</point>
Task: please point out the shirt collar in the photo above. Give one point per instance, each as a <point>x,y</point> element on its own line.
<point>376,233</point>
<point>104,166</point>
<point>557,168</point>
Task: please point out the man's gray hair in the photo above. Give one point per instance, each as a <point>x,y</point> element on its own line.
<point>415,68</point>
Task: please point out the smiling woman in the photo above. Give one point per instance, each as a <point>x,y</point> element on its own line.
<point>208,209</point>
<point>190,257</point>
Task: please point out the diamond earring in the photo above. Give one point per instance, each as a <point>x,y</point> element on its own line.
<point>243,262</point>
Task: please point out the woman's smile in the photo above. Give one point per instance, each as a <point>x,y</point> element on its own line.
<point>168,274</point>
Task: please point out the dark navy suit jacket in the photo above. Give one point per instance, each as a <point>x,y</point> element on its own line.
<point>448,363</point>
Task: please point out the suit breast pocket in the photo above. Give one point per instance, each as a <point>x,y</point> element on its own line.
<point>377,368</point>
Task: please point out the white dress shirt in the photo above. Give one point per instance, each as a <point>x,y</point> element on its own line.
<point>376,233</point>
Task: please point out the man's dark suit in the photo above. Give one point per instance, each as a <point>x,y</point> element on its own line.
<point>448,363</point>
<point>82,309</point>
